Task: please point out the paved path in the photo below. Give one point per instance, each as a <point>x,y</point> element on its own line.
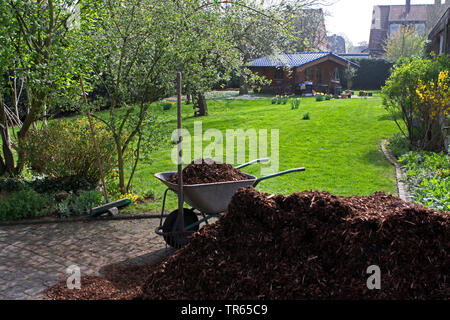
<point>35,256</point>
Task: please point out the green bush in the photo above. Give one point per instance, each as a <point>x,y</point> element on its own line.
<point>371,75</point>
<point>403,100</point>
<point>399,144</point>
<point>305,116</point>
<point>165,105</point>
<point>25,203</point>
<point>428,176</point>
<point>320,97</point>
<point>81,204</point>
<point>65,149</point>
<point>327,97</point>
<point>46,184</point>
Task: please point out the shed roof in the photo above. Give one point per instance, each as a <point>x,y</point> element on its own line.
<point>295,59</point>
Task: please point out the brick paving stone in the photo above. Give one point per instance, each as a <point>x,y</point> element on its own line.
<point>35,256</point>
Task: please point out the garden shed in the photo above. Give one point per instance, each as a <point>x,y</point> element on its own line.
<point>296,72</point>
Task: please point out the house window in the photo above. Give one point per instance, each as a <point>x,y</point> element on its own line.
<point>394,28</point>
<point>336,74</point>
<point>419,28</point>
<point>279,74</point>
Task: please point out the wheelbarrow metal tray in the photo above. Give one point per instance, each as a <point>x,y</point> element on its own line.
<point>209,198</point>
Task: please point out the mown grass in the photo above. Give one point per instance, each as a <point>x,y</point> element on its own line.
<point>339,146</point>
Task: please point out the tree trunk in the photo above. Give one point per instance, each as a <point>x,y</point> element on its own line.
<point>120,163</point>
<point>6,141</point>
<point>188,98</point>
<point>243,88</point>
<point>201,105</point>
<point>37,103</point>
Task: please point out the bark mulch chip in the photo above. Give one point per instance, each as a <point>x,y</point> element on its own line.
<point>208,171</point>
<point>120,282</point>
<point>308,245</point>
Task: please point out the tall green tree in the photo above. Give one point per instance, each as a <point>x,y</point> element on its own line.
<point>405,43</point>
<point>35,36</point>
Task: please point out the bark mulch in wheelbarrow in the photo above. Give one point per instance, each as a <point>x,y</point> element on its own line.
<point>208,171</point>
<point>309,245</point>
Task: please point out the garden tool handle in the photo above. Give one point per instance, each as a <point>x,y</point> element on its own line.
<point>277,174</point>
<point>252,162</point>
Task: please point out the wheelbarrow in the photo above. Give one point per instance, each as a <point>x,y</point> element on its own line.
<point>210,199</point>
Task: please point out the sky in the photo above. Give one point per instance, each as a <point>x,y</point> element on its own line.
<point>353,17</point>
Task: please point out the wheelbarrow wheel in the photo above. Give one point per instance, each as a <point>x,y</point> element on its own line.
<point>171,224</point>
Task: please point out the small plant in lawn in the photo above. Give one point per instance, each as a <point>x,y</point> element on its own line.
<point>295,103</point>
<point>320,97</point>
<point>305,116</point>
<point>327,97</point>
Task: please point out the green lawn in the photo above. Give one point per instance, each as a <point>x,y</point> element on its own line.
<point>339,145</point>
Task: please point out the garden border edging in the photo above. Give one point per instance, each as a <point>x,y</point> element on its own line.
<point>402,187</point>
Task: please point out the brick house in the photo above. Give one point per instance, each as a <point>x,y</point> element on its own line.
<point>388,19</point>
<point>440,35</point>
<point>290,73</point>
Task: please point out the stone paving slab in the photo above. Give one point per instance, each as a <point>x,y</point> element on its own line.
<point>33,257</point>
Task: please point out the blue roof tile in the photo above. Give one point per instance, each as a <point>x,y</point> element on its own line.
<point>294,59</point>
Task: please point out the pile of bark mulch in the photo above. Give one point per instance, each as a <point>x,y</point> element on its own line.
<point>311,245</point>
<point>208,171</point>
<point>120,282</point>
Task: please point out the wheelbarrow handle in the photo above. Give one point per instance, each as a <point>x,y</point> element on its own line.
<point>252,162</point>
<point>276,175</point>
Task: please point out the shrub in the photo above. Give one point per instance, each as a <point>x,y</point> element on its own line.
<point>327,97</point>
<point>65,149</point>
<point>25,203</point>
<point>416,94</point>
<point>320,97</point>
<point>165,105</point>
<point>371,75</point>
<point>81,204</point>
<point>399,144</point>
<point>305,116</point>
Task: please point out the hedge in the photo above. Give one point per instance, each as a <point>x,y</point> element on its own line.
<point>372,74</point>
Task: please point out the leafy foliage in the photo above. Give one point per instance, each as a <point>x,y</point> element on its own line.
<point>399,144</point>
<point>46,184</point>
<point>295,103</point>
<point>428,175</point>
<point>65,150</point>
<point>25,203</point>
<point>81,204</point>
<point>372,74</point>
<point>410,97</point>
<point>405,43</point>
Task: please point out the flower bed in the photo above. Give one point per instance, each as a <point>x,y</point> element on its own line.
<point>428,177</point>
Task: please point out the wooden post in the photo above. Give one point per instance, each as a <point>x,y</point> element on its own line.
<point>180,155</point>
